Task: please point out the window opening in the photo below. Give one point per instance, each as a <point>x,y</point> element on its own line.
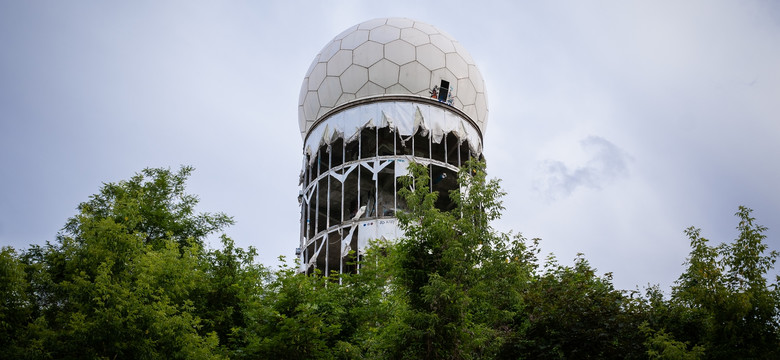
<point>367,143</point>
<point>337,153</point>
<point>453,145</point>
<point>350,196</point>
<point>439,151</point>
<point>367,192</point>
<point>311,215</point>
<point>444,180</point>
<point>309,253</point>
<point>322,160</point>
<point>420,145</point>
<point>352,150</point>
<point>322,205</point>
<point>386,141</point>
<point>403,146</point>
<point>319,262</point>
<point>329,194</point>
<point>336,195</point>
<point>463,153</point>
<point>444,89</point>
<point>385,184</point>
<point>333,252</point>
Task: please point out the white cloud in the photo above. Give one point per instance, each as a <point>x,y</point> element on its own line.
<point>606,163</point>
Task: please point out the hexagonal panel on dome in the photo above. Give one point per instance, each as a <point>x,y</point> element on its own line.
<point>311,105</point>
<point>354,78</point>
<point>301,118</point>
<point>462,51</point>
<point>414,77</point>
<point>414,36</point>
<point>482,109</point>
<point>400,52</point>
<point>466,92</point>
<point>427,28</point>
<point>344,98</point>
<point>344,33</point>
<point>476,78</point>
<point>457,65</point>
<point>370,89</point>
<point>384,73</point>
<point>470,110</point>
<point>384,34</point>
<point>304,88</point>
<point>400,23</point>
<point>390,56</point>
<point>370,24</point>
<point>443,43</point>
<point>354,39</point>
<point>368,53</point>
<point>396,88</point>
<point>316,76</point>
<point>431,56</point>
<point>339,62</point>
<point>330,50</point>
<point>457,103</point>
<point>332,90</point>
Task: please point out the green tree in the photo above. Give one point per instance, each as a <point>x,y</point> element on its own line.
<point>574,314</point>
<point>722,301</point>
<point>15,307</point>
<point>303,316</point>
<point>123,277</point>
<point>234,285</point>
<point>152,204</point>
<point>661,345</point>
<point>129,277</point>
<point>460,281</point>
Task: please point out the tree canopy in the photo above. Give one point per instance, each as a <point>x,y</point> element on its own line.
<point>129,276</point>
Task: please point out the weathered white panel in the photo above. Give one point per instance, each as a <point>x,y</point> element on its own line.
<point>384,73</point>
<point>385,34</point>
<point>430,56</point>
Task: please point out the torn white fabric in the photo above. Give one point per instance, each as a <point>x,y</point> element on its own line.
<point>405,117</point>
<point>387,229</point>
<point>345,248</point>
<point>384,229</point>
<point>366,231</point>
<point>401,167</point>
<point>313,258</point>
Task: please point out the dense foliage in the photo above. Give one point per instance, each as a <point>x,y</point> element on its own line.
<point>129,277</point>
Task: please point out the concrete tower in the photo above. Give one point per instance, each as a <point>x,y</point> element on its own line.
<point>381,94</point>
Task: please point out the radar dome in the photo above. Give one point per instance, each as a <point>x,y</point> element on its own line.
<point>392,56</point>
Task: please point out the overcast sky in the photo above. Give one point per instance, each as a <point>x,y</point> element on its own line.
<point>613,126</point>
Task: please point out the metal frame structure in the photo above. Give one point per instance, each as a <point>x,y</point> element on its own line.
<point>379,95</point>
<point>350,186</point>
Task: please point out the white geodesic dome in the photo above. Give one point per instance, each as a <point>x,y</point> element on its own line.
<point>392,56</point>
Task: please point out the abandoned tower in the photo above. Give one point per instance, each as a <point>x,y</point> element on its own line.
<point>381,94</point>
